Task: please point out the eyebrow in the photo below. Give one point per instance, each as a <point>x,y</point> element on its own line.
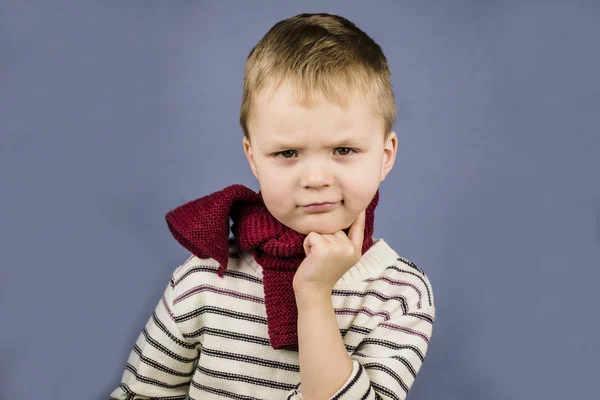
<point>344,142</point>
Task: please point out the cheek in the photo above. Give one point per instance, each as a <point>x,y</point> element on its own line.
<point>275,198</point>
<point>358,193</point>
<point>359,200</point>
<point>274,183</point>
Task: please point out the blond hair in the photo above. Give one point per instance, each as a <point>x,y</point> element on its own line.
<point>320,54</point>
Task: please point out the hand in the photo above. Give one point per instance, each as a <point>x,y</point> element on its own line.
<point>329,257</point>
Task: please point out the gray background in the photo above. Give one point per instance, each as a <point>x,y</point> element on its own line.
<point>113,113</point>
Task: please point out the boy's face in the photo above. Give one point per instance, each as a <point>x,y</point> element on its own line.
<point>322,154</point>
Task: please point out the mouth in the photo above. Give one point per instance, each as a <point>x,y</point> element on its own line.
<point>321,207</point>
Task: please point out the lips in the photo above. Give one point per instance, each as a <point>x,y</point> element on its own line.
<point>321,203</point>
<point>320,207</point>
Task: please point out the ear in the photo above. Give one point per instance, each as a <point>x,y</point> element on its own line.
<point>248,152</point>
<point>389,154</point>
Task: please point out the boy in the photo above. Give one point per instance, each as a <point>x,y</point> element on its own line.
<point>302,302</point>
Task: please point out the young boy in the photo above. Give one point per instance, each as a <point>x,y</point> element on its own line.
<point>302,302</point>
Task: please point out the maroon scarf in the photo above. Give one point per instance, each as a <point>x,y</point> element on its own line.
<point>202,227</point>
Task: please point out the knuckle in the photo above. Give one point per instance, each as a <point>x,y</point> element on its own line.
<point>349,251</point>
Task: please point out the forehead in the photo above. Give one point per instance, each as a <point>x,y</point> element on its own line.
<point>285,112</point>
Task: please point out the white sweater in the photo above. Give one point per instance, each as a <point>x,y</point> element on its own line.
<point>208,339</point>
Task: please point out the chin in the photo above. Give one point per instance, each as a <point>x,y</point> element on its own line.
<point>321,227</point>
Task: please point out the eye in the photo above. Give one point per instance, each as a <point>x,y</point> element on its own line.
<point>344,151</point>
<point>286,153</point>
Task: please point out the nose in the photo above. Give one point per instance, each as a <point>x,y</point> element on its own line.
<point>316,176</point>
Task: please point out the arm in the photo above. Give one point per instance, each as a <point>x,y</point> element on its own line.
<point>324,362</point>
<point>383,366</point>
<point>385,363</point>
<point>162,361</point>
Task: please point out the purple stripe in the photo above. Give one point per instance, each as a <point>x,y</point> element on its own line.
<point>398,283</point>
<point>208,288</point>
<point>404,329</point>
<point>164,300</point>
<point>364,310</point>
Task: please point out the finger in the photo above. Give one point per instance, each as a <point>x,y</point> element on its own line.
<point>307,244</point>
<point>312,239</point>
<point>340,235</point>
<point>357,231</point>
<point>329,238</point>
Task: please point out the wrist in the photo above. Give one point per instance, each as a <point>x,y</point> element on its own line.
<point>308,296</point>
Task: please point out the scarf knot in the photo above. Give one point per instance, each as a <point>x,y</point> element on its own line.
<point>202,226</point>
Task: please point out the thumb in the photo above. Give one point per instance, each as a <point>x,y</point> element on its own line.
<point>309,242</point>
<point>357,231</point>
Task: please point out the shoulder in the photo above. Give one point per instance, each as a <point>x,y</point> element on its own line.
<point>408,280</point>
<point>196,269</point>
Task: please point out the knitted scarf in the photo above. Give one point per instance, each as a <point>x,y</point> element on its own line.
<point>202,227</point>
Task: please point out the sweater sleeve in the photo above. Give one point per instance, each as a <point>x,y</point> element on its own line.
<point>387,361</point>
<point>162,361</point>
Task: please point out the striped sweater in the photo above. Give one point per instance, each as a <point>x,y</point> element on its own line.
<point>208,339</point>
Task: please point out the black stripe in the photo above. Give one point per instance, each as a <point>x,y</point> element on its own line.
<point>393,346</point>
<point>246,379</point>
<point>126,389</point>
<point>200,268</point>
<point>166,331</point>
<point>411,264</point>
<point>403,360</point>
<point>223,393</point>
<point>243,276</point>
<point>352,382</point>
<point>417,275</point>
<point>392,374</point>
<point>295,392</point>
<point>228,335</point>
<point>214,270</point>
<point>407,364</point>
<point>292,395</point>
<point>383,390</point>
<point>154,382</point>
<point>423,316</point>
<point>367,394</point>
<point>131,395</point>
<point>250,360</point>
<point>220,311</point>
<point>154,343</point>
<point>357,329</point>
<point>350,293</point>
<point>155,364</point>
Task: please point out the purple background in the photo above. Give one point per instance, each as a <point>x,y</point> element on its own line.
<point>113,113</point>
